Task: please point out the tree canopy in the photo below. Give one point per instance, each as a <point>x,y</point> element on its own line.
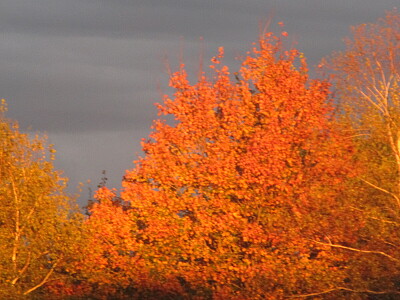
<point>366,77</point>
<point>38,220</point>
<point>232,199</point>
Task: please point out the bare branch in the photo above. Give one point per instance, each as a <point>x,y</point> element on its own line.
<point>356,135</point>
<point>23,270</point>
<point>343,289</point>
<point>17,230</point>
<point>383,190</point>
<point>380,98</point>
<point>377,106</point>
<point>44,279</point>
<point>358,250</point>
<point>385,221</point>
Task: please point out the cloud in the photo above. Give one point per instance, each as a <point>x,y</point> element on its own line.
<point>126,19</point>
<point>87,72</point>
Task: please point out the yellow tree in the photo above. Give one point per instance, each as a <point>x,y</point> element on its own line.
<point>367,82</point>
<point>38,220</point>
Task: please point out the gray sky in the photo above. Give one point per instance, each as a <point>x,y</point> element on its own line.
<point>87,72</point>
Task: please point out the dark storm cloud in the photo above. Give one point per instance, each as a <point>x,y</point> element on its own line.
<point>61,77</point>
<point>87,72</point>
<point>78,57</point>
<point>127,19</point>
<point>50,83</point>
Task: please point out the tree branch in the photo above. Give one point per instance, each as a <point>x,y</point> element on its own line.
<point>343,289</point>
<point>377,219</point>
<point>44,279</point>
<point>23,270</point>
<point>383,190</point>
<point>359,250</point>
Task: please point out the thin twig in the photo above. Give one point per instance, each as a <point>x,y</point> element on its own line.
<point>356,135</point>
<point>383,190</point>
<point>359,250</point>
<point>343,289</point>
<point>375,218</point>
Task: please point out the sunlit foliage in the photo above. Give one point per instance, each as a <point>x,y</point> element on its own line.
<point>367,85</point>
<point>38,221</point>
<point>231,201</point>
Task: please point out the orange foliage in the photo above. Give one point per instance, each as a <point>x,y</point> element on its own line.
<point>229,200</point>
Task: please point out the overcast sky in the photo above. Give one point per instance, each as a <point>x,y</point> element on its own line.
<point>87,72</point>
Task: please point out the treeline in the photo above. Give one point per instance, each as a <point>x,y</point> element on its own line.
<point>266,186</point>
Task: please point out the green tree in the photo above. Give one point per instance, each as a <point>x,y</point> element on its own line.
<point>39,222</point>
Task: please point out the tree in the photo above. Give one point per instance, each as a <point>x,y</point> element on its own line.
<point>233,199</point>
<point>366,79</point>
<point>38,220</point>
